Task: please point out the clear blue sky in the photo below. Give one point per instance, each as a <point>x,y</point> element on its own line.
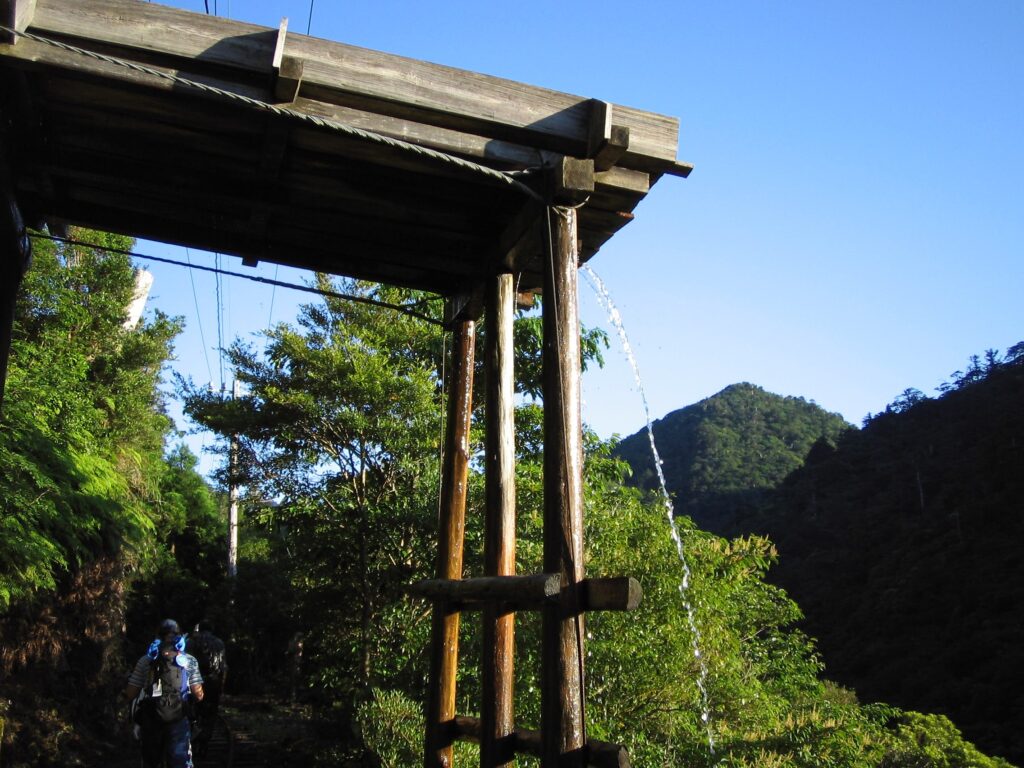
<point>854,225</point>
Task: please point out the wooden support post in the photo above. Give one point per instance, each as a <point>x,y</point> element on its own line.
<point>15,254</point>
<point>16,15</point>
<point>444,647</point>
<point>607,141</point>
<point>287,69</point>
<point>499,525</point>
<point>562,699</point>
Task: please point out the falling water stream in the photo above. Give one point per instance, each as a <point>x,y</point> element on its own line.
<point>684,585</point>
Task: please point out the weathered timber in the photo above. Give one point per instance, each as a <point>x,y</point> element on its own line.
<point>607,142</point>
<point>526,591</point>
<point>571,180</point>
<point>610,594</point>
<point>15,254</point>
<point>343,74</point>
<point>498,658</point>
<point>451,526</point>
<point>16,14</point>
<point>598,754</point>
<point>521,241</point>
<point>288,80</point>
<point>305,250</point>
<point>110,129</point>
<point>287,69</point>
<point>506,593</point>
<point>562,624</point>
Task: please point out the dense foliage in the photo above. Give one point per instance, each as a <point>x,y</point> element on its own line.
<point>88,499</point>
<point>340,426</point>
<point>901,542</point>
<point>722,456</point>
<point>898,540</point>
<point>337,433</point>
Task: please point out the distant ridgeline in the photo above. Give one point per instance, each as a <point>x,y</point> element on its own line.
<point>901,541</point>
<point>724,454</point>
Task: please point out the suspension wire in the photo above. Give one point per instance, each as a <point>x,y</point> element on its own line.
<point>270,317</point>
<point>320,122</point>
<point>309,22</point>
<point>403,309</point>
<point>199,317</point>
<point>220,318</point>
<point>444,418</point>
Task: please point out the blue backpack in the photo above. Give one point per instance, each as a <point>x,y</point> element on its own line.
<point>166,694</point>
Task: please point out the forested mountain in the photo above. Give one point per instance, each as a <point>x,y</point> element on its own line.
<point>721,456</point>
<point>902,543</point>
<point>900,540</point>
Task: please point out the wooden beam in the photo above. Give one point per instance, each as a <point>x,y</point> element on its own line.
<point>598,754</point>
<point>498,153</point>
<point>572,181</point>
<point>288,80</point>
<point>15,255</point>
<point>680,169</point>
<point>287,69</point>
<point>498,674</point>
<point>562,688</point>
<point>282,34</point>
<point>296,249</point>
<point>520,241</point>
<point>607,142</point>
<point>347,75</point>
<point>610,594</point>
<point>17,15</point>
<point>444,647</point>
<point>528,591</point>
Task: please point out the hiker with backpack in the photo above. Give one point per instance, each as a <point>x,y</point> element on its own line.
<point>162,688</point>
<point>209,651</point>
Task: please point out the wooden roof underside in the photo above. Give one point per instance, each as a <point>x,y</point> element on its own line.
<point>100,145</point>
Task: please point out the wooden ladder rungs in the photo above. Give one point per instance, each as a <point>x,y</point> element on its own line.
<point>599,754</point>
<point>620,593</point>
<point>523,591</point>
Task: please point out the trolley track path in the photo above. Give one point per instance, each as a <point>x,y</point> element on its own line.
<point>250,732</point>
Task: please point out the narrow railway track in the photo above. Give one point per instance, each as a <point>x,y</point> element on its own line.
<point>229,747</point>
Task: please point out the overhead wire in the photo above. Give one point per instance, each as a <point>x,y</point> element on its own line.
<point>199,316</point>
<point>220,319</point>
<point>401,308</point>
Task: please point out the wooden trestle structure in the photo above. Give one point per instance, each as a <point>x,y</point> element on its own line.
<point>166,125</point>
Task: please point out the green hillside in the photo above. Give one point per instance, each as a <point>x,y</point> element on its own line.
<point>900,541</point>
<point>721,455</point>
<point>902,545</point>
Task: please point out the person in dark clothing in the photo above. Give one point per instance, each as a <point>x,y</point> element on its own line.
<point>168,680</point>
<point>209,651</point>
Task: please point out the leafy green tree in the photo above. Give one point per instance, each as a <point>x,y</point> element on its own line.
<point>82,430</point>
<point>81,442</point>
<point>340,424</point>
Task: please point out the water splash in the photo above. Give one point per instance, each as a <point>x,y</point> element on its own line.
<point>605,299</point>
